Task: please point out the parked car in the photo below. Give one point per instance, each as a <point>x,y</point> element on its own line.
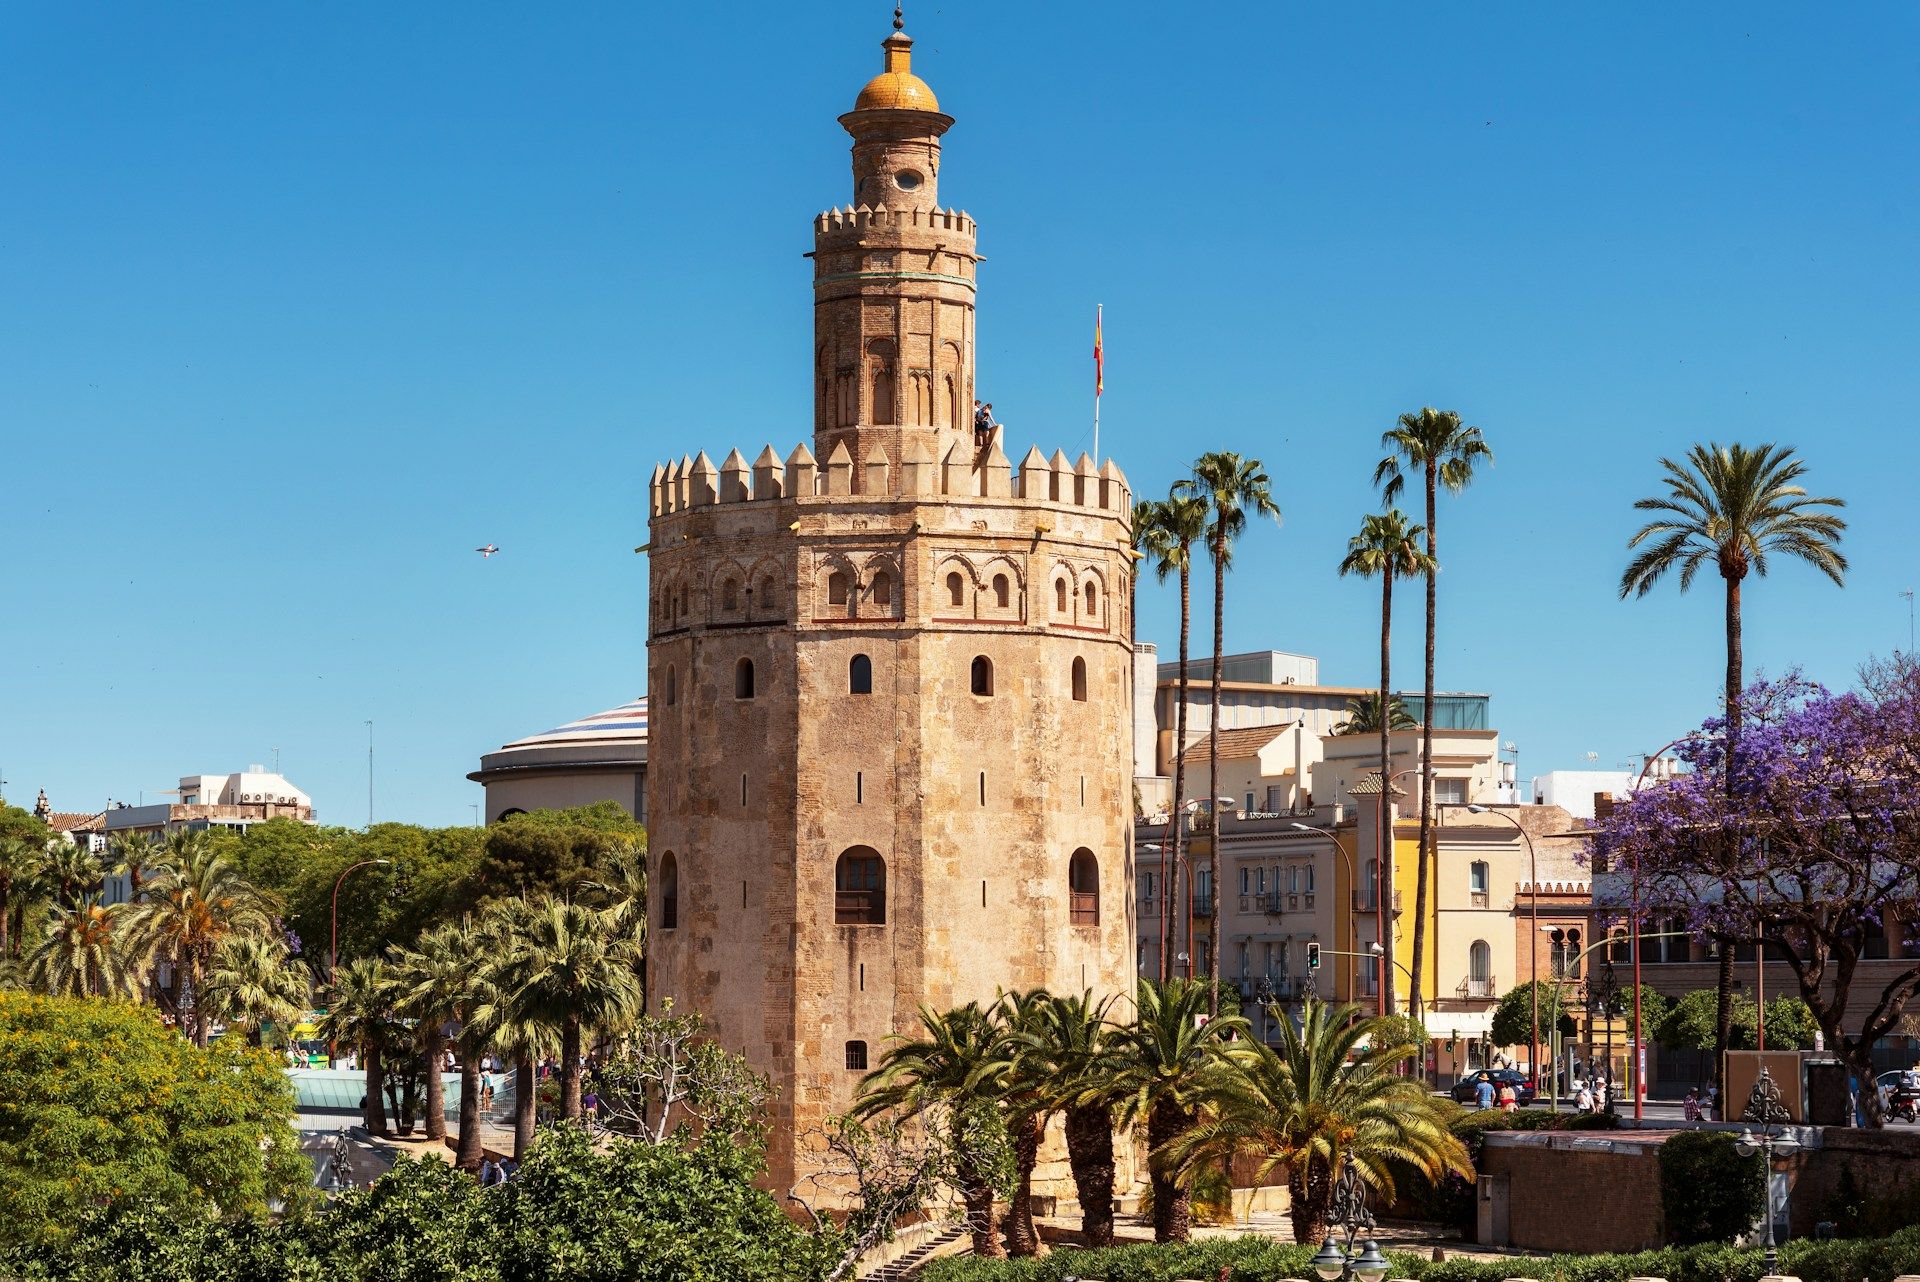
<point>1465,1090</point>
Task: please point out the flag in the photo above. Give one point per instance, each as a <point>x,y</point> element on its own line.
<point>1099,360</point>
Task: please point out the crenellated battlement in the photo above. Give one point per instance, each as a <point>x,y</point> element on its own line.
<point>871,218</point>
<point>962,473</point>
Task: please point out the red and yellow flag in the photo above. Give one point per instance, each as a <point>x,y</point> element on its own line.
<point>1099,359</point>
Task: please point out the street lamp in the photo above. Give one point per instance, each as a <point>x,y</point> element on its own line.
<point>1352,880</point>
<point>1533,945</point>
<point>1775,1139</point>
<point>333,951</point>
<point>1349,1214</point>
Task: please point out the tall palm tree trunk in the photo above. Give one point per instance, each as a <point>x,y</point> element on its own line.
<point>373,1110</point>
<point>976,1199</point>
<point>1023,1239</point>
<point>1172,1200</point>
<point>434,1040</point>
<point>1090,1157</point>
<point>1383,891</point>
<point>570,1069</point>
<point>194,985</point>
<point>1425,856</point>
<point>526,1093</point>
<point>1174,887</point>
<point>1213,779</point>
<point>1723,1003</point>
<point>1309,1193</point>
<point>467,1152</point>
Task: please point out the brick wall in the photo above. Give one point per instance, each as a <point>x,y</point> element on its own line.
<point>1574,1192</point>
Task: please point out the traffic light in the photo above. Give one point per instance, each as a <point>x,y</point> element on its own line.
<point>1313,955</point>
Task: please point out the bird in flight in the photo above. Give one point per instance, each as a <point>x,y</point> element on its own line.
<point>486,551</point>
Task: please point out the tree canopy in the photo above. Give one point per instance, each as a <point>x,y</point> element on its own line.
<point>101,1105</point>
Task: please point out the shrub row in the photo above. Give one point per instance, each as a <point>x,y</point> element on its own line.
<point>1251,1259</point>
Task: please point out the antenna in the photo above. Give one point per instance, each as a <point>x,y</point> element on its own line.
<point>369,774</point>
<point>1905,592</point>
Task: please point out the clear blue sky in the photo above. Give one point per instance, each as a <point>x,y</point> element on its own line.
<point>299,304</point>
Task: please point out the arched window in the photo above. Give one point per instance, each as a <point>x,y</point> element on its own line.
<point>730,595</point>
<point>880,361</point>
<point>1093,600</point>
<point>982,674</point>
<point>956,589</point>
<point>743,679</point>
<point>836,588</point>
<point>669,891</point>
<point>766,592</point>
<point>860,888</point>
<point>1080,680</point>
<point>1000,591</point>
<point>1083,888</point>
<point>856,1057</point>
<point>882,590</point>
<point>1480,965</point>
<point>860,675</point>
<point>1059,596</point>
<point>673,686</point>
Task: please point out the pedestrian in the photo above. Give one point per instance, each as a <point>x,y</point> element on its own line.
<point>1583,1099</point>
<point>486,1090</point>
<point>489,1174</point>
<point>1483,1093</point>
<point>1713,1101</point>
<point>1509,1098</point>
<point>1690,1106</point>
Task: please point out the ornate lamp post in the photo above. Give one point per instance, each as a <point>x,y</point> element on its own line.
<point>1349,1214</point>
<point>1774,1140</point>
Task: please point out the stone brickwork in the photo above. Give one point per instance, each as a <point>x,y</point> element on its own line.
<point>893,647</point>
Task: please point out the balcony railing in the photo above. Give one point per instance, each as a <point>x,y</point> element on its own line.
<point>859,908</point>
<point>1471,988</point>
<point>1273,903</point>
<point>1201,908</point>
<point>1365,901</point>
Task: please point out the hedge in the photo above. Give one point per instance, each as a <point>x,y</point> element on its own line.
<point>1255,1259</point>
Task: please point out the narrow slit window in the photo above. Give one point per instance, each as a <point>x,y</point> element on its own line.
<point>743,679</point>
<point>1001,591</point>
<point>669,892</point>
<point>860,675</point>
<point>956,589</point>
<point>1079,680</point>
<point>982,675</point>
<point>882,590</point>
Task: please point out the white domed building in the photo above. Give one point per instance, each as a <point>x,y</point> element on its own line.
<point>602,757</point>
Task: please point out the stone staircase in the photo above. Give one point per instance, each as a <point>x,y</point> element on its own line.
<point>908,1265</point>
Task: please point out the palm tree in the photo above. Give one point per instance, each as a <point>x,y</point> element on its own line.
<point>1363,715</point>
<point>1732,506</point>
<point>1386,548</point>
<point>195,901</point>
<point>1164,1067</point>
<point>1232,487</point>
<point>566,970</point>
<point>1070,1048</point>
<point>1443,451</point>
<point>1182,522</point>
<point>20,864</point>
<point>84,952</point>
<point>255,981</point>
<point>70,874</point>
<point>1315,1100</point>
<point>436,984</point>
<point>499,1024</point>
<point>940,1073</point>
<point>130,855</point>
<point>360,1014</point>
<point>1020,1080</point>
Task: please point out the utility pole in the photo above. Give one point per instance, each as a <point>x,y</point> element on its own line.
<point>1907,593</point>
<point>369,774</point>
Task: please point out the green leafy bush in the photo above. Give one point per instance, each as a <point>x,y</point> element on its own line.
<point>1260,1260</point>
<point>1708,1191</point>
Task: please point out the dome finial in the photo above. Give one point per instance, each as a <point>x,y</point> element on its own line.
<point>899,17</point>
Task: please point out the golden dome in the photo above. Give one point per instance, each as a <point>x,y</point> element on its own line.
<point>897,88</point>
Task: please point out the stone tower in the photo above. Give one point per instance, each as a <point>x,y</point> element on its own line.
<point>890,677</point>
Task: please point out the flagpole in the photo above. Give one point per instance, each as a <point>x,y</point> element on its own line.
<point>1099,372</point>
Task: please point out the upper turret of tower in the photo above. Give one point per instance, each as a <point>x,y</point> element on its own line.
<point>896,125</point>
